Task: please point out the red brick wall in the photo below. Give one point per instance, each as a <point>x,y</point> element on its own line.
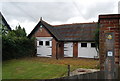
<point>42,33</point>
<point>54,48</point>
<point>109,23</point>
<point>45,33</point>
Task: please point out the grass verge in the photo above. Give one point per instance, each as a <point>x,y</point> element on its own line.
<point>42,68</point>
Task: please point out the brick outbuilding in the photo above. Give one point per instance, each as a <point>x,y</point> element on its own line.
<point>67,40</point>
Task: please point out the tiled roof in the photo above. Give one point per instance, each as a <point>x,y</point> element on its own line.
<point>77,32</point>
<point>71,32</point>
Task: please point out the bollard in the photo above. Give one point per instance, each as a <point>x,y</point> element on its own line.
<point>68,70</point>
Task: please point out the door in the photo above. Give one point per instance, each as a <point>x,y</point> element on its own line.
<point>44,47</point>
<point>68,49</point>
<point>86,50</point>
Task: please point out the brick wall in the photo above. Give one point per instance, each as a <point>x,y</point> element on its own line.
<point>54,48</point>
<point>108,24</point>
<point>41,32</point>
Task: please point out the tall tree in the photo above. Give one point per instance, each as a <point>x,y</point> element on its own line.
<point>20,32</point>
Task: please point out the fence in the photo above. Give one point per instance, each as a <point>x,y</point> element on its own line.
<point>93,75</point>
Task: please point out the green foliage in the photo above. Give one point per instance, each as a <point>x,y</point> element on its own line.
<point>97,38</point>
<point>97,66</point>
<point>19,32</point>
<point>3,30</point>
<point>15,44</point>
<point>0,30</point>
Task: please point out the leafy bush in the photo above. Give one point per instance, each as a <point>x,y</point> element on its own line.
<point>15,44</point>
<point>96,38</point>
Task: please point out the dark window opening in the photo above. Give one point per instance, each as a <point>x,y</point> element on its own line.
<point>93,45</point>
<point>47,43</point>
<point>40,42</point>
<point>83,44</point>
<point>59,45</point>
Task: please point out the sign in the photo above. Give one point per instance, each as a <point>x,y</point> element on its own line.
<point>109,53</point>
<point>110,60</point>
<point>109,37</point>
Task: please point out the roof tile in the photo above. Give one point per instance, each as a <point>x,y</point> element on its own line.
<point>72,32</point>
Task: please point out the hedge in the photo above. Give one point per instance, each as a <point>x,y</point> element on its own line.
<point>17,47</point>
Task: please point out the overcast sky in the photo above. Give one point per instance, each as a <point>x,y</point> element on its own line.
<point>28,13</point>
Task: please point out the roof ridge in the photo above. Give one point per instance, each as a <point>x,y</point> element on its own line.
<point>45,22</point>
<point>74,24</point>
<point>50,28</point>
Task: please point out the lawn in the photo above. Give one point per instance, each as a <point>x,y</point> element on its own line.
<point>42,68</point>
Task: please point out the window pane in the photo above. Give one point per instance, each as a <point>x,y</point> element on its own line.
<point>83,44</point>
<point>37,43</point>
<point>47,43</point>
<point>40,42</point>
<point>93,45</point>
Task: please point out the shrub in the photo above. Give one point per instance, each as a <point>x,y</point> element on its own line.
<point>15,45</point>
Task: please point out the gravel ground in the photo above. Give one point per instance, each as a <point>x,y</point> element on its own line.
<point>82,71</point>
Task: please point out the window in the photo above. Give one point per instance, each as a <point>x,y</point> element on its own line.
<point>47,43</point>
<point>93,45</point>
<point>41,26</point>
<point>83,44</point>
<point>40,42</point>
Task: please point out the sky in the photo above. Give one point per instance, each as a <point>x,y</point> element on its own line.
<point>27,13</point>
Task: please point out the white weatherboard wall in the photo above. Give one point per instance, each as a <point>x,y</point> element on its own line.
<point>68,49</point>
<point>44,50</point>
<point>86,52</point>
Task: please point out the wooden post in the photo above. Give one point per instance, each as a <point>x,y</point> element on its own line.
<point>57,48</point>
<point>68,70</point>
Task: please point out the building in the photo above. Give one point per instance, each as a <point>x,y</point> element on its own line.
<point>4,23</point>
<point>67,40</point>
